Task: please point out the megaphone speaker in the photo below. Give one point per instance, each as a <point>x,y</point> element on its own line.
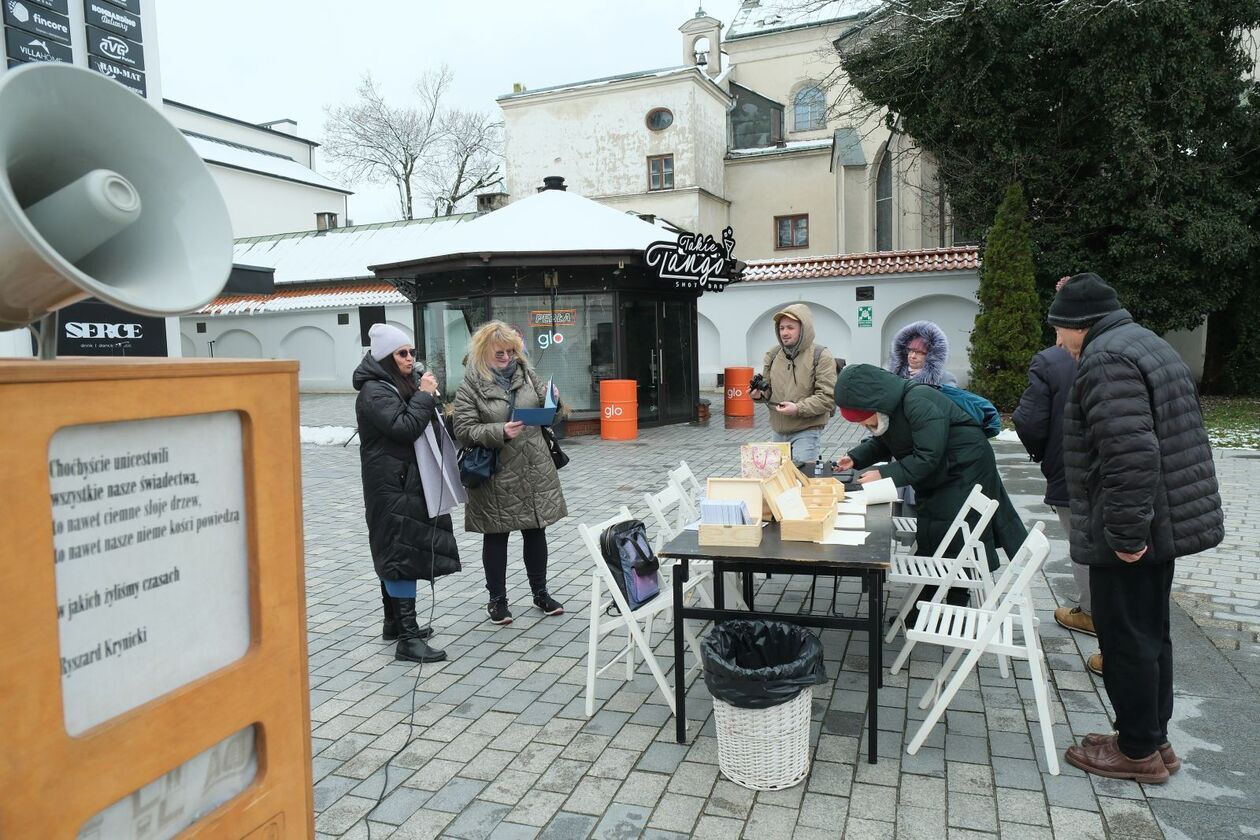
<point>100,196</point>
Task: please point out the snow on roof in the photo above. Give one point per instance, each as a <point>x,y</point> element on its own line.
<point>778,15</point>
<point>789,146</point>
<point>552,222</point>
<point>239,156</point>
<point>610,80</point>
<point>341,253</point>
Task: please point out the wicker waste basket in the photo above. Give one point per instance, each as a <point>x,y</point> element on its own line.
<point>761,674</point>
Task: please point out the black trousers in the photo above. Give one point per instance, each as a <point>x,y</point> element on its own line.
<point>1130,603</point>
<point>494,560</point>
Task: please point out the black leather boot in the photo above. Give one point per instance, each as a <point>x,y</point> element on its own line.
<point>411,638</point>
<point>389,628</point>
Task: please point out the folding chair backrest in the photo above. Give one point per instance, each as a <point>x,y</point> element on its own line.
<point>1018,574</point>
<point>669,512</point>
<point>687,483</point>
<point>983,508</point>
<point>590,538</point>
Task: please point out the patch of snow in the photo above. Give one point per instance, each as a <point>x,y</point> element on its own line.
<point>328,435</point>
<point>1234,438</point>
<point>1007,435</point>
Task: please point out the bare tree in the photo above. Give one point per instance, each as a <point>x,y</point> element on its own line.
<point>370,140</point>
<point>469,159</point>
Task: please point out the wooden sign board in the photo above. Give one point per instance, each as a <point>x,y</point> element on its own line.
<point>152,600</point>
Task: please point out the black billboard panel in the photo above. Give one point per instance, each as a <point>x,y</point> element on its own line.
<point>24,47</point>
<point>113,19</point>
<point>125,76</point>
<point>25,14</point>
<point>92,328</point>
<point>115,48</point>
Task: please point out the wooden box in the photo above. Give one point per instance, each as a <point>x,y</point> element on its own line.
<point>778,483</point>
<point>822,490</point>
<point>747,490</point>
<point>821,521</point>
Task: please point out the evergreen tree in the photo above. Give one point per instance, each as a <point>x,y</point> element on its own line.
<point>1008,326</point>
<point>1129,124</point>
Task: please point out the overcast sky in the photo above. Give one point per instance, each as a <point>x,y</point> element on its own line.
<point>262,60</point>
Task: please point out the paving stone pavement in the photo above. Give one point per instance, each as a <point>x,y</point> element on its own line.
<point>494,743</point>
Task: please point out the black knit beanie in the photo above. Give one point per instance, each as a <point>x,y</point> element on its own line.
<point>1083,300</point>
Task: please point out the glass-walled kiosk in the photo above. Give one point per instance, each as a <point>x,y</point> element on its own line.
<point>579,325</point>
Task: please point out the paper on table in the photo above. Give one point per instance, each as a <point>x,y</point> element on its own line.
<point>839,537</point>
<point>791,505</point>
<point>880,492</point>
<point>850,521</point>
<point>850,506</point>
<point>692,526</point>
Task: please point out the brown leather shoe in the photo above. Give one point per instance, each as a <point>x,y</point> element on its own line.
<point>1074,619</point>
<point>1105,759</point>
<point>1171,761</point>
<point>1094,663</point>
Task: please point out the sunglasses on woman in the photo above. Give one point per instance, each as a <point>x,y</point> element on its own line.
<point>406,354</point>
<point>504,354</point>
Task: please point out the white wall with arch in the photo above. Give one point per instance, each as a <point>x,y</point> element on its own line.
<point>326,350</point>
<point>742,315</point>
<point>955,315</point>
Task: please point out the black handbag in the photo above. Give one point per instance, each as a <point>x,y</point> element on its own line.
<point>478,463</point>
<point>557,454</point>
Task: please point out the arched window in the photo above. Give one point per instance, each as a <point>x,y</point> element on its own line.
<point>884,205</point>
<point>809,109</point>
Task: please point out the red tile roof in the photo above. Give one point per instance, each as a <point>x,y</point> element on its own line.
<point>966,258</point>
<point>336,296</point>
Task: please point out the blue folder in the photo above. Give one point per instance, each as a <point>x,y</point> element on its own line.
<point>544,416</point>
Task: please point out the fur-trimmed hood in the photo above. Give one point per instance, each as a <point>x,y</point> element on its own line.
<point>933,372</point>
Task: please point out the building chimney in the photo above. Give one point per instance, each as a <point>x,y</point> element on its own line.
<point>487,202</point>
<point>553,182</point>
<point>325,221</point>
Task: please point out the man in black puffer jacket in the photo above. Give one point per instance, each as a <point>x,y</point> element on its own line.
<point>1143,493</point>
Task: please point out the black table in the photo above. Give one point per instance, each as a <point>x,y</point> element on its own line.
<point>869,561</point>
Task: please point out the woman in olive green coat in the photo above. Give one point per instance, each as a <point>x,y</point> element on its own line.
<point>941,452</point>
<point>524,492</point>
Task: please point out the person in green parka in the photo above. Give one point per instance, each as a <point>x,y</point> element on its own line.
<point>939,449</point>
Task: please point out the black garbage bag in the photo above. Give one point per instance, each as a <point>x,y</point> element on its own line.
<point>759,664</point>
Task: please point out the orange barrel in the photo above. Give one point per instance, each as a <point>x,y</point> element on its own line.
<point>739,422</point>
<point>738,403</point>
<point>618,409</point>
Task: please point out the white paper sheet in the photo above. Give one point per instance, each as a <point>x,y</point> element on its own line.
<point>850,521</point>
<point>692,526</point>
<point>791,505</point>
<point>880,492</point>
<point>839,537</point>
<point>849,506</point>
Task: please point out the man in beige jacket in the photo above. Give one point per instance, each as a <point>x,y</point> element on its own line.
<point>802,378</point>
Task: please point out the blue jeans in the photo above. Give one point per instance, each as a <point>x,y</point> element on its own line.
<point>400,588</point>
<point>805,444</point>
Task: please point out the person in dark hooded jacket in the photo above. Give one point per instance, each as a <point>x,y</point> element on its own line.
<point>1143,493</point>
<point>407,543</point>
<point>940,451</point>
<point>919,352</point>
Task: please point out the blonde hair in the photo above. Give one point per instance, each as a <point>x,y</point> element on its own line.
<point>490,336</point>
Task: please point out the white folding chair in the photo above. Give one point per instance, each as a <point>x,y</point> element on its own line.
<point>968,570</point>
<point>638,623</point>
<point>990,628</point>
<point>685,510</point>
<point>690,486</point>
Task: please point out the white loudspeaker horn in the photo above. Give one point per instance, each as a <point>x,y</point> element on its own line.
<point>101,196</point>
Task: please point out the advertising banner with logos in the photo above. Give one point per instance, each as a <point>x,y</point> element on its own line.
<point>111,31</point>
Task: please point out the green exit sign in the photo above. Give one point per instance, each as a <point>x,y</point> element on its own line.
<point>866,316</point>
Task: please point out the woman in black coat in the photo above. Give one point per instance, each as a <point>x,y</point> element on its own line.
<point>407,544</point>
